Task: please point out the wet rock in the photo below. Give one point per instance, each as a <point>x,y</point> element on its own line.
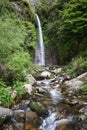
<point>5,114</point>
<point>19,116</point>
<point>83,110</point>
<point>43,83</point>
<point>31,120</point>
<point>24,120</point>
<point>17,125</point>
<point>38,108</point>
<point>63,126</point>
<point>82,125</point>
<point>28,88</point>
<point>41,90</point>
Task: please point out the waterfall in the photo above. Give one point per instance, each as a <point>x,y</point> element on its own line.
<point>39,53</point>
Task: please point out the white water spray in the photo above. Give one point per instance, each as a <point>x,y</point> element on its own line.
<point>39,54</point>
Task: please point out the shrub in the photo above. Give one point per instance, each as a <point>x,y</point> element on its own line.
<point>12,34</point>
<point>84,89</point>
<point>77,66</point>
<point>5,95</point>
<point>18,64</point>
<point>18,86</point>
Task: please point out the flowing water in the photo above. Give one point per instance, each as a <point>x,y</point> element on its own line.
<point>52,122</point>
<point>39,54</point>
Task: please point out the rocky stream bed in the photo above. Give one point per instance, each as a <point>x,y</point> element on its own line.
<point>54,103</point>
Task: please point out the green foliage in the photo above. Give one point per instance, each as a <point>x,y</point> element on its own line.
<point>77,66</point>
<point>30,39</point>
<point>5,7</point>
<point>5,95</point>
<point>17,44</point>
<point>12,34</point>
<point>17,40</point>
<point>18,86</point>
<point>84,89</point>
<point>65,27</point>
<point>18,63</point>
<point>2,83</point>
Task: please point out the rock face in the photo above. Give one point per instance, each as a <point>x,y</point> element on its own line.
<point>34,3</point>
<point>76,84</point>
<point>5,114</point>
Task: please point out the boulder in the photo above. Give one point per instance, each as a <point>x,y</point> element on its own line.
<point>38,108</point>
<point>76,84</point>
<point>28,88</point>
<point>46,74</point>
<point>19,115</point>
<point>5,114</point>
<point>32,120</point>
<point>31,79</point>
<point>57,71</point>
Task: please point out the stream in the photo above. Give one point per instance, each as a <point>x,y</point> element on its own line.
<point>61,115</point>
<point>51,122</point>
<point>49,108</point>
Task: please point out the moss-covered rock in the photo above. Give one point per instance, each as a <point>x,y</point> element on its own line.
<point>38,108</point>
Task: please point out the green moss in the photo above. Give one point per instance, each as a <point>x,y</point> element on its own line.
<point>37,107</point>
<point>84,90</point>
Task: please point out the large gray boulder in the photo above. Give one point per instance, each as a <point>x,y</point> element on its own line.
<point>5,114</point>
<point>76,84</point>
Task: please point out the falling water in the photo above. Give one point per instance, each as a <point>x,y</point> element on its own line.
<point>39,54</point>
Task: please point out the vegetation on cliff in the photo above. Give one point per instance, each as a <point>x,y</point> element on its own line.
<point>17,38</point>
<point>65,27</point>
<point>17,45</point>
